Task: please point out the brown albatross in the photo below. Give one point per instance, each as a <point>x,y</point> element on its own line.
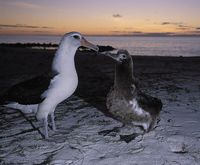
<point>125,101</point>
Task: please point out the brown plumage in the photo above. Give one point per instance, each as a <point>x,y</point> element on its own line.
<point>125,101</point>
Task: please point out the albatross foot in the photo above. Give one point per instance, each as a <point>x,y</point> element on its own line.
<point>46,134</point>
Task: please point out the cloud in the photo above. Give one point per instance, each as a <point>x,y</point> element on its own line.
<point>139,33</point>
<point>24,5</point>
<point>43,31</point>
<point>180,25</point>
<point>24,26</point>
<point>196,31</point>
<point>158,34</point>
<point>165,23</point>
<point>117,15</point>
<point>184,27</point>
<point>172,23</point>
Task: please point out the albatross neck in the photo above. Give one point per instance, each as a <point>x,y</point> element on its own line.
<point>124,74</point>
<point>64,60</point>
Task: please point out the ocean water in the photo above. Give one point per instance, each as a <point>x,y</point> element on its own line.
<point>149,46</point>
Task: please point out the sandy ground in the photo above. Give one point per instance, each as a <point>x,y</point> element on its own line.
<point>86,135</point>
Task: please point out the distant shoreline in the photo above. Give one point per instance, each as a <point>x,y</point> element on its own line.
<point>111,35</point>
<point>51,46</point>
<point>146,46</point>
<point>47,46</point>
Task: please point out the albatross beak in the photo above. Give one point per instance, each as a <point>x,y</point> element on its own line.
<point>115,57</point>
<point>89,45</point>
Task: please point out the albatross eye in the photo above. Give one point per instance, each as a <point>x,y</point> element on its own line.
<point>124,56</point>
<point>76,37</point>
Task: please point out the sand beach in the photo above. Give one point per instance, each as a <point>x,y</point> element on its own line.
<point>86,133</point>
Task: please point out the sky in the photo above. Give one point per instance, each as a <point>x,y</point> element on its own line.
<point>100,17</point>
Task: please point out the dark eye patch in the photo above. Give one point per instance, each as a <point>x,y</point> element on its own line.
<point>76,37</point>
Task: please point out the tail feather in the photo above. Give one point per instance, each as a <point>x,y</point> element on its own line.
<point>149,103</point>
<point>23,108</point>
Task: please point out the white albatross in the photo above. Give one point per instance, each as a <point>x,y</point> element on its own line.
<point>52,90</point>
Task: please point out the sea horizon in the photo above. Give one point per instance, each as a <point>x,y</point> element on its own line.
<point>186,46</point>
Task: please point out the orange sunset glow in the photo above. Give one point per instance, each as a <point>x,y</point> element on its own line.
<point>106,17</point>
